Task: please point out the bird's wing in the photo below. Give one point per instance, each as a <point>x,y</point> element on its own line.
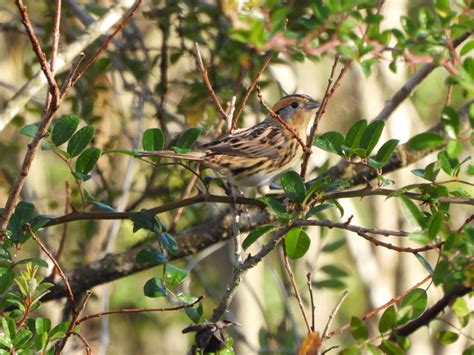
<point>262,140</point>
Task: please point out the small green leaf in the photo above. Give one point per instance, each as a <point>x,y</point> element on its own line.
<point>64,129</point>
<point>296,243</point>
<point>420,237</point>
<point>351,350</point>
<point>34,261</point>
<point>6,280</point>
<point>318,209</point>
<point>447,337</point>
<point>469,46</point>
<point>22,337</point>
<point>454,149</point>
<point>195,312</point>
<point>391,348</point>
<point>416,301</point>
<point>174,275</point>
<point>87,160</point>
<point>80,140</point>
<point>371,136</point>
<point>460,308</point>
<point>330,142</point>
<point>144,220</point>
<point>451,123</point>
<point>59,331</point>
<point>187,139</point>
<point>29,130</point>
<point>150,256</point>
<point>102,206</point>
<point>169,243</point>
<point>386,150</point>
<point>425,263</point>
<point>334,284</point>
<point>333,270</point>
<point>153,139</point>
<point>330,247</point>
<point>293,185</point>
<point>355,133</point>
<point>154,288</point>
<point>257,233</point>
<point>434,225</point>
<point>276,207</point>
<point>22,215</point>
<point>9,327</point>
<point>388,319</point>
<point>426,140</point>
<point>42,325</point>
<point>412,212</point>
<point>358,329</point>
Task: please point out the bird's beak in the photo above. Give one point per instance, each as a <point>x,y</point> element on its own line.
<point>312,104</point>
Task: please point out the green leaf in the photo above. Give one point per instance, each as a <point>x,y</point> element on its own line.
<point>174,275</point>
<point>454,149</point>
<point>426,140</point>
<point>296,243</point>
<point>29,130</point>
<point>59,331</point>
<point>195,312</point>
<point>22,337</point>
<point>333,270</point>
<point>447,337</point>
<point>64,129</point>
<point>330,142</point>
<point>469,46</point>
<point>372,350</point>
<point>318,209</point>
<point>434,225</point>
<point>412,212</point>
<point>187,139</point>
<point>358,329</point>
<point>144,220</point>
<point>169,243</point>
<point>276,207</point>
<point>469,350</point>
<point>153,139</point>
<point>80,140</point>
<point>451,123</point>
<point>371,136</point>
<point>354,135</point>
<point>22,215</point>
<point>449,166</point>
<point>42,325</point>
<point>416,302</point>
<point>293,185</point>
<point>87,160</point>
<point>150,256</point>
<point>102,206</point>
<point>34,261</point>
<point>386,150</point>
<point>330,247</point>
<point>257,233</point>
<point>330,283</point>
<point>154,288</point>
<point>388,319</point>
<point>420,237</point>
<point>9,327</point>
<point>391,348</point>
<point>351,350</point>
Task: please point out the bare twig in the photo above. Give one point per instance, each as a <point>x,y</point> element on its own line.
<point>205,77</point>
<point>242,104</point>
<point>138,310</point>
<point>311,297</point>
<point>54,48</point>
<point>278,118</point>
<point>377,310</point>
<point>64,232</point>
<point>67,84</point>
<point>291,275</point>
<point>331,318</point>
<point>350,227</point>
<point>378,243</point>
<point>54,261</point>
<point>84,341</point>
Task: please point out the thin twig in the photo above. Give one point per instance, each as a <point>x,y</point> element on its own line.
<point>138,310</point>
<point>242,104</point>
<point>377,310</point>
<point>331,318</point>
<point>291,275</point>
<point>84,341</point>
<point>279,119</point>
<point>205,77</point>
<point>54,261</point>
<point>350,227</point>
<point>72,325</point>
<point>67,84</point>
<point>54,47</point>
<point>311,297</point>
<point>64,232</point>
<point>378,243</point>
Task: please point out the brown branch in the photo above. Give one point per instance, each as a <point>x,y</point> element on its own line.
<point>291,275</point>
<point>241,270</point>
<point>55,45</point>
<point>64,231</point>
<point>54,261</point>
<point>311,297</point>
<point>84,341</point>
<point>107,42</point>
<point>205,77</point>
<point>242,104</point>
<point>378,243</point>
<point>377,310</point>
<point>279,119</point>
<point>138,310</point>
<point>72,325</point>
<point>350,227</point>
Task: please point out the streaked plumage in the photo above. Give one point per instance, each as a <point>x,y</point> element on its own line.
<point>259,154</point>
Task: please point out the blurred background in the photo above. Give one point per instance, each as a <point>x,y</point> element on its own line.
<point>148,78</point>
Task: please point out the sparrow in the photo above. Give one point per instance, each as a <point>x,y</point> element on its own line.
<point>255,156</point>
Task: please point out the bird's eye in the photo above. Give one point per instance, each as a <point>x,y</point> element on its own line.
<point>294,104</point>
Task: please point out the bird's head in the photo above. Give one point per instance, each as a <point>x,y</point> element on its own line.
<point>296,109</point>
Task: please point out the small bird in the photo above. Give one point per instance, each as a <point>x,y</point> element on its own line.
<point>257,155</point>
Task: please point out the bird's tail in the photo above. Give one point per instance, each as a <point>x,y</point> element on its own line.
<point>197,156</point>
